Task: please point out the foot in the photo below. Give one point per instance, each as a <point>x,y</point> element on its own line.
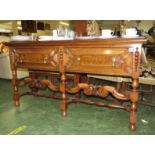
<point>17,103</point>
<point>64,113</point>
<point>132,127</point>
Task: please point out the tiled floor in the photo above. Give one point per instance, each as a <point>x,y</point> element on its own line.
<point>41,116</point>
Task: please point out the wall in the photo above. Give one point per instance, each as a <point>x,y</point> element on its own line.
<point>141,24</point>
<point>15,24</point>
<point>112,24</point>
<point>109,24</point>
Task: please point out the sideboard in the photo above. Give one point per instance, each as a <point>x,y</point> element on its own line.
<point>114,57</point>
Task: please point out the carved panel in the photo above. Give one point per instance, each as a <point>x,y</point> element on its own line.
<point>100,60</point>
<point>33,57</point>
<point>53,57</point>
<point>68,58</point>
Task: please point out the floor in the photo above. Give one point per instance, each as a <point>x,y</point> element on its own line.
<point>41,116</point>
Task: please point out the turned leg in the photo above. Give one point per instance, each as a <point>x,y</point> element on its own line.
<point>13,62</point>
<point>133,108</point>
<point>16,94</point>
<point>76,82</point>
<point>64,97</point>
<point>32,86</point>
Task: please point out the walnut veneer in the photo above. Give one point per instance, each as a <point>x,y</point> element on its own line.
<point>114,57</point>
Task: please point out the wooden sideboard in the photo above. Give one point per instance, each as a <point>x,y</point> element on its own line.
<point>114,57</point>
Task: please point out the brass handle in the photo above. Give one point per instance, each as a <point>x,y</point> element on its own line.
<point>45,60</point>
<point>78,59</point>
<point>113,61</point>
<point>21,59</point>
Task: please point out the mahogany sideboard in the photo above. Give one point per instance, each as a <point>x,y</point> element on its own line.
<point>114,57</point>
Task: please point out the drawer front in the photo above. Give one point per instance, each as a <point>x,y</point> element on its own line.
<point>111,61</point>
<point>95,60</point>
<point>37,58</point>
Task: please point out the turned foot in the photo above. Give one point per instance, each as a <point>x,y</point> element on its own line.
<point>132,127</point>
<point>64,113</point>
<point>16,99</point>
<point>17,104</point>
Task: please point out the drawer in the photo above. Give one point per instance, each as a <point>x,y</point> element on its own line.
<point>111,61</point>
<point>95,60</point>
<point>37,58</point>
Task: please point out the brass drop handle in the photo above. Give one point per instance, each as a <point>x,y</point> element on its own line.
<point>78,59</point>
<point>45,60</point>
<point>21,59</point>
<point>113,61</point>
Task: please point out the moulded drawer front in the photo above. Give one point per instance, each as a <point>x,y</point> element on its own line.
<point>37,58</point>
<point>117,61</point>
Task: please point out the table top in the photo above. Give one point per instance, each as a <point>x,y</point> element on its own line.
<point>109,41</point>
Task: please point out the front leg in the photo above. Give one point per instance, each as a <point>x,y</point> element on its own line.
<point>13,62</point>
<point>16,94</point>
<point>64,97</point>
<point>133,107</point>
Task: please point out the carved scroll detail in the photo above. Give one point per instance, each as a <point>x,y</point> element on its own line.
<point>50,85</point>
<point>96,91</point>
<point>38,84</point>
<point>77,88</point>
<point>3,48</point>
<point>101,91</point>
<point>23,82</point>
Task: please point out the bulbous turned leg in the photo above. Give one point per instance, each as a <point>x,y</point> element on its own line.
<point>133,107</point>
<point>63,90</point>
<point>33,85</point>
<point>133,117</point>
<point>16,94</point>
<point>76,82</point>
